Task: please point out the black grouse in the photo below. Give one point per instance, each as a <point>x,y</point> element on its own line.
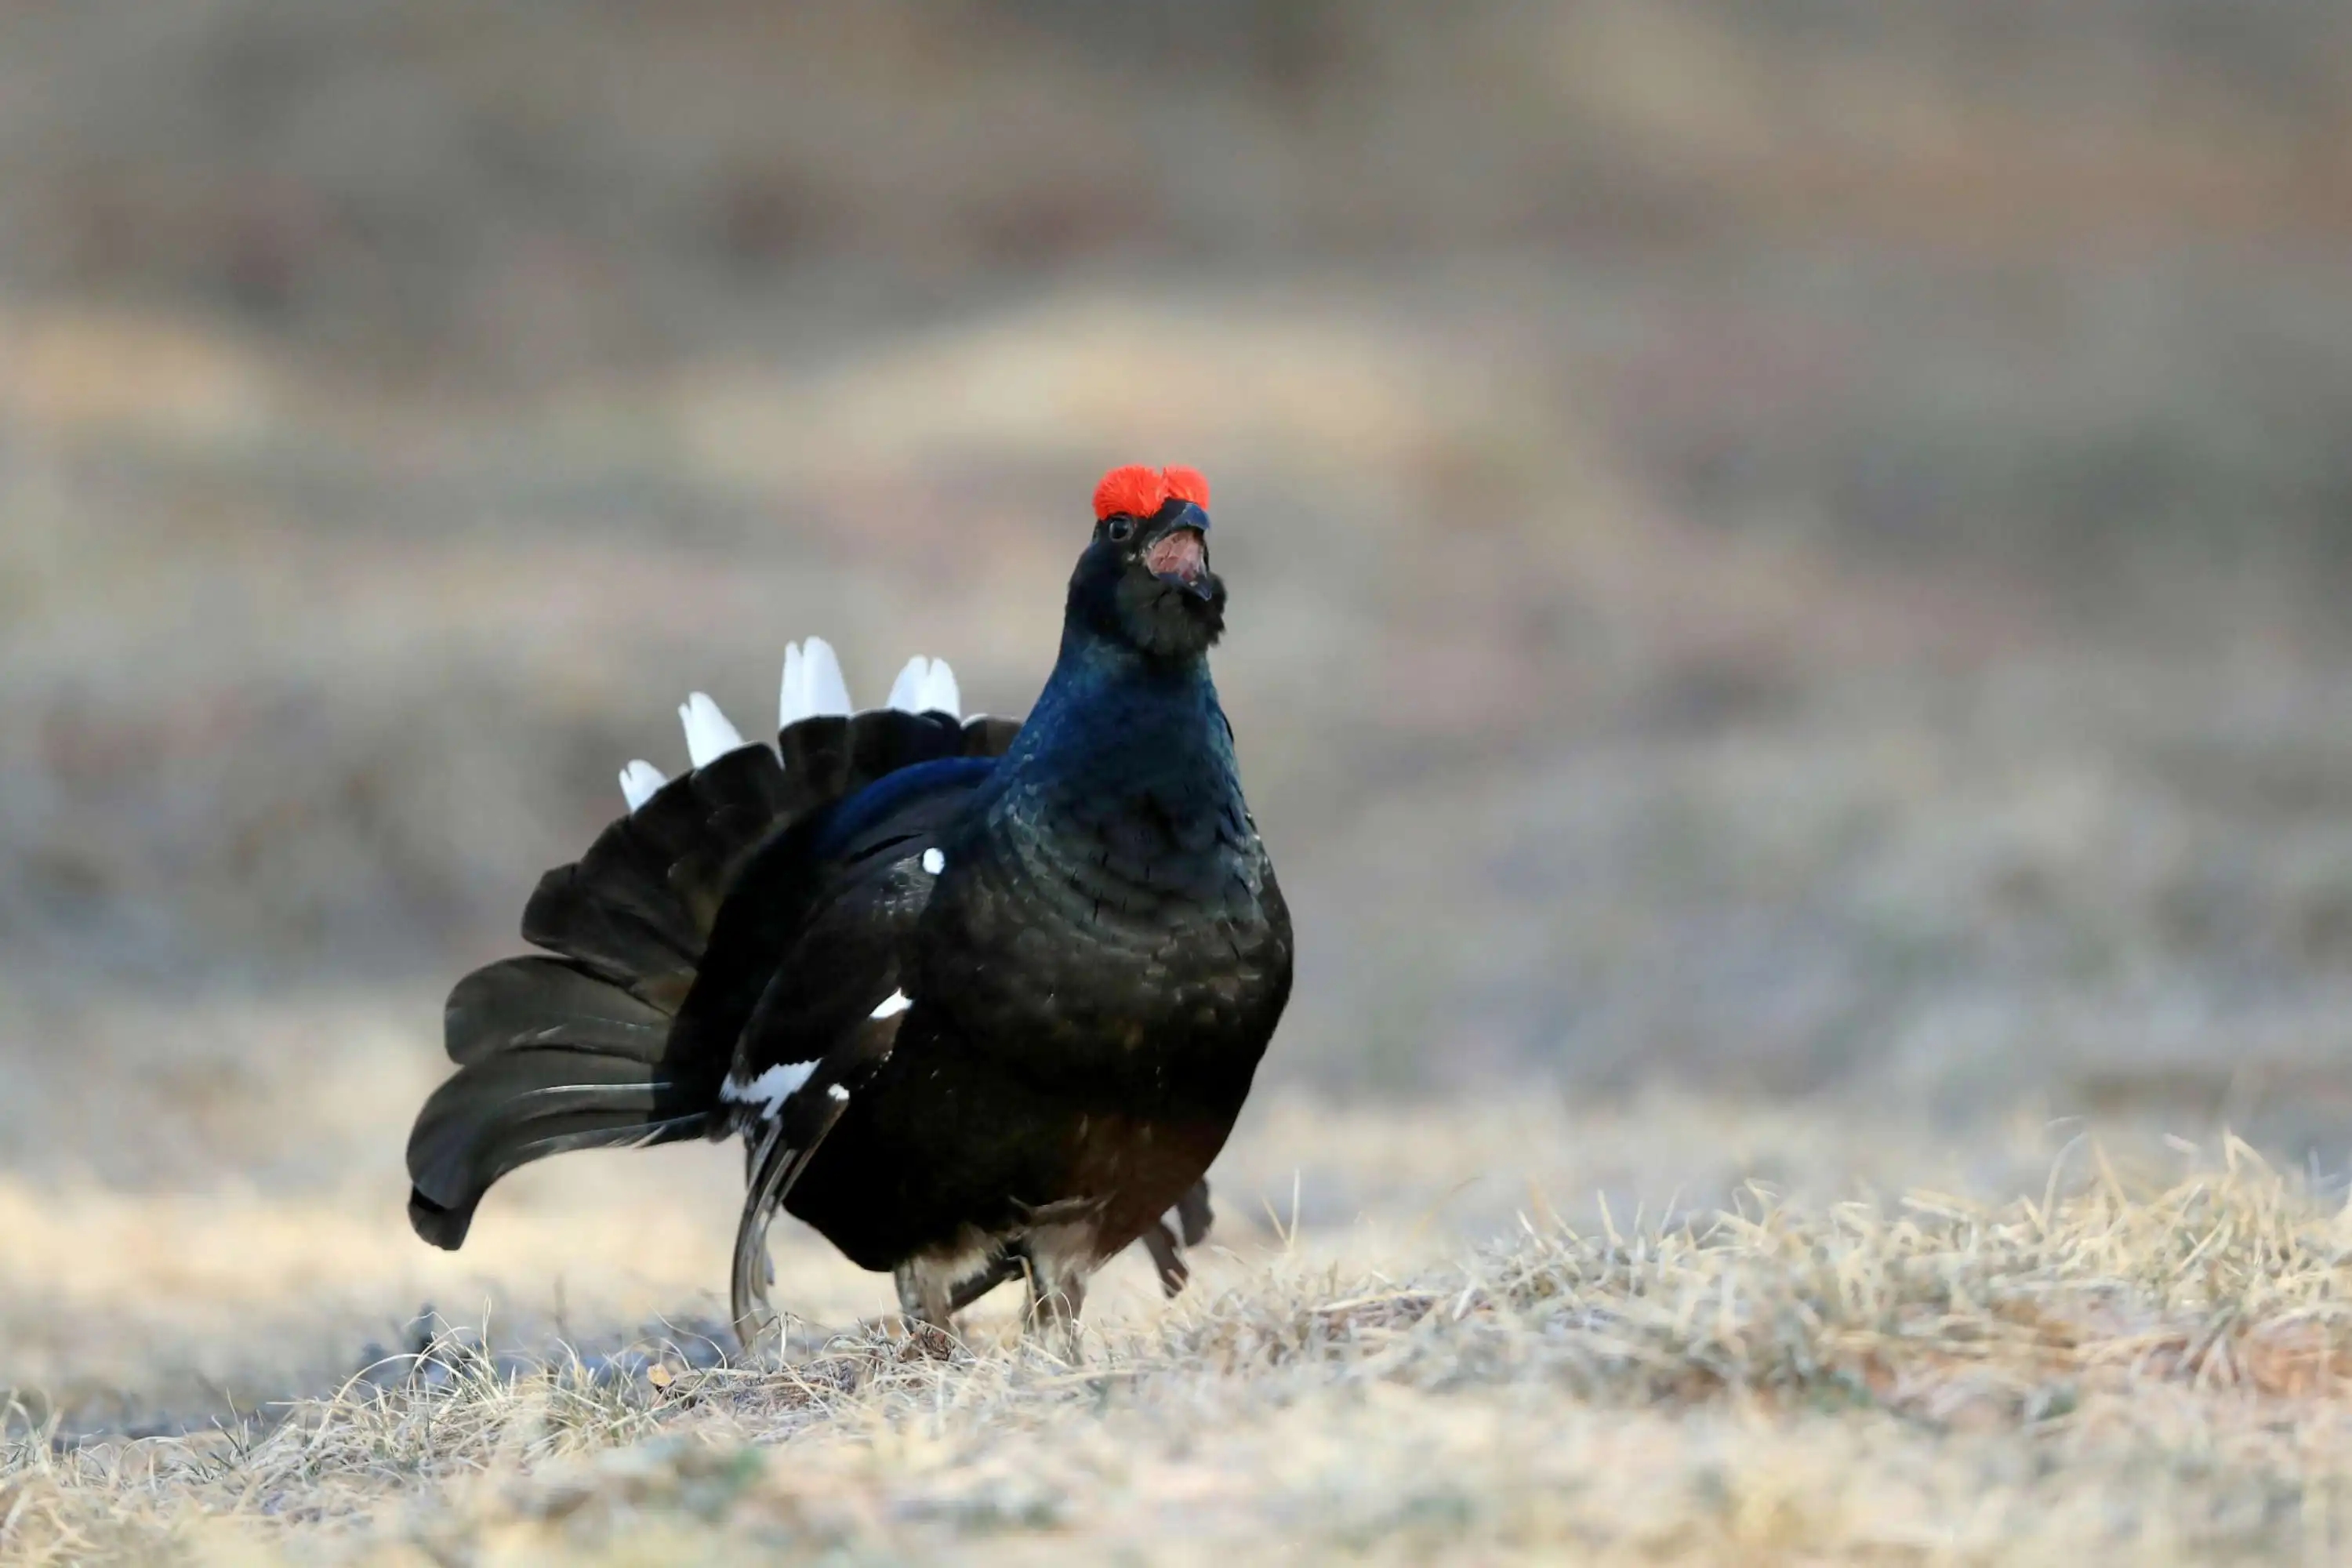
<point>982,998</point>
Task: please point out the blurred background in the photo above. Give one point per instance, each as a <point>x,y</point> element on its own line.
<point>1789,554</point>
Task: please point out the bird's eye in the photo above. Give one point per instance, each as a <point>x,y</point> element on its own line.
<point>1121,529</point>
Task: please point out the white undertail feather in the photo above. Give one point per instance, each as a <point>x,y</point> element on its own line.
<point>946,697</point>
<point>926,685</point>
<point>907,692</point>
<point>708,735</point>
<point>814,685</point>
<point>639,780</point>
<point>791,700</point>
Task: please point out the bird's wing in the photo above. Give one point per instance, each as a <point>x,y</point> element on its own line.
<point>807,950</point>
<point>814,933</point>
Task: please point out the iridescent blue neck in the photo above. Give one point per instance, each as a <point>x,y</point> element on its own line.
<point>1113,718</point>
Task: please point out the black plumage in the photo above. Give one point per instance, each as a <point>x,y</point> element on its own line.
<point>983,999</point>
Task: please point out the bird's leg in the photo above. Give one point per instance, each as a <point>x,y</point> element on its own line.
<point>928,1307</point>
<point>1185,1225</point>
<point>1056,1307</point>
<point>923,1298</point>
<point>1168,1257</point>
<point>1058,1260</point>
<point>1194,1213</point>
<point>1001,1268</point>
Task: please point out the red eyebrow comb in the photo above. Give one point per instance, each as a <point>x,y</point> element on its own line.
<point>1186,484</point>
<point>1139,491</point>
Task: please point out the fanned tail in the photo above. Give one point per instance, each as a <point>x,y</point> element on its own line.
<point>577,1050</point>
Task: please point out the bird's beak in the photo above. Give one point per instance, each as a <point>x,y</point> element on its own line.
<point>1179,556</point>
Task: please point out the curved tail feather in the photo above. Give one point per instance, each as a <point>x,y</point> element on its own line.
<point>550,1057</point>
<point>785,1152</point>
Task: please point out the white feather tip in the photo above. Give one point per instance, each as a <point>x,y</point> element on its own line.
<point>944,697</point>
<point>639,780</point>
<point>708,735</point>
<point>926,685</point>
<point>814,687</point>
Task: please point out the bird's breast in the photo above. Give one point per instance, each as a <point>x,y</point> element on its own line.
<point>1137,946</point>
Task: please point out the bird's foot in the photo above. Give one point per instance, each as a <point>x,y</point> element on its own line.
<point>929,1341</point>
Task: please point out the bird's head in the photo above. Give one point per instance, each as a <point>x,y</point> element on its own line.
<point>1144,580</point>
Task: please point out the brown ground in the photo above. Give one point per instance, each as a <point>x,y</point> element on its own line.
<point>2144,1360</point>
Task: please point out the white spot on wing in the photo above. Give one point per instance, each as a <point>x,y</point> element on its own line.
<point>708,735</point>
<point>935,861</point>
<point>639,780</point>
<point>834,1092</point>
<point>897,1003</point>
<point>771,1089</point>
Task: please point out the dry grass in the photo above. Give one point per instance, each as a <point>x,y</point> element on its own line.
<point>2107,1371</point>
